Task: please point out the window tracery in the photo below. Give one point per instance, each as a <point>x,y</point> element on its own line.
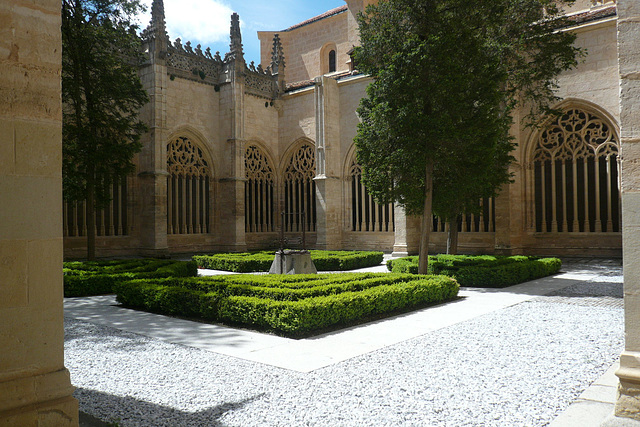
<point>112,220</point>
<point>366,213</point>
<point>188,188</point>
<point>576,175</point>
<point>259,191</point>
<point>300,190</point>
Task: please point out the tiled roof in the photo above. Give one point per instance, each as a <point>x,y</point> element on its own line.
<point>298,85</point>
<point>332,12</point>
<point>593,15</point>
<point>307,83</point>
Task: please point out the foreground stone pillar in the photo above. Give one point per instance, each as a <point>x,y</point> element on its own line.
<point>628,404</point>
<point>35,389</point>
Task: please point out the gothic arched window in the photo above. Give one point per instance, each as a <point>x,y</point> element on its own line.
<point>188,188</point>
<point>112,220</point>
<point>300,190</point>
<point>366,213</point>
<point>259,192</point>
<point>575,175</point>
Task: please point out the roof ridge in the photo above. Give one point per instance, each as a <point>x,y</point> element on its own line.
<point>593,15</point>
<point>327,14</point>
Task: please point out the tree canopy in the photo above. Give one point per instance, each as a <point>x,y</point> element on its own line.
<point>448,74</point>
<point>102,96</point>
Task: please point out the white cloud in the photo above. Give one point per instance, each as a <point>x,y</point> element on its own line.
<point>201,21</point>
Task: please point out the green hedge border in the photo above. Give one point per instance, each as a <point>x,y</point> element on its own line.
<point>248,262</point>
<point>98,277</point>
<point>483,271</point>
<point>293,306</point>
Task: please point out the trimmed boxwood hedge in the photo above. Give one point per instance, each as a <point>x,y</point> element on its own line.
<point>483,271</point>
<point>98,277</point>
<point>293,306</point>
<point>261,261</point>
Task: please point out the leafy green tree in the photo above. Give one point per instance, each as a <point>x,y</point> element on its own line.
<point>102,96</point>
<point>457,194</point>
<point>434,131</point>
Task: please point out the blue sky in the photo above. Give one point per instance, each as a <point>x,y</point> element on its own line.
<point>207,21</point>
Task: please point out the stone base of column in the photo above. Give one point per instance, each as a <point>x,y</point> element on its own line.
<point>40,400</point>
<point>628,402</point>
<point>399,251</point>
<point>407,234</point>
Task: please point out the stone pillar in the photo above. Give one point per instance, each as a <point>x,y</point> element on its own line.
<point>628,404</point>
<point>230,200</point>
<point>34,384</point>
<point>503,221</point>
<point>328,156</point>
<point>150,218</point>
<point>407,233</point>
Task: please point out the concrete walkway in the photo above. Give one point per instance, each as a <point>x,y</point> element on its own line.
<point>593,407</point>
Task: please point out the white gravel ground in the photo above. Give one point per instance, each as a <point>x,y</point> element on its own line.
<point>520,366</point>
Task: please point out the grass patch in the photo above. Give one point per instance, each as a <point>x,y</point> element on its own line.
<point>261,261</point>
<point>485,271</point>
<point>86,278</point>
<point>289,305</point>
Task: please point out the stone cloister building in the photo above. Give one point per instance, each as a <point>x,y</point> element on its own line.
<point>220,142</point>
<point>238,150</point>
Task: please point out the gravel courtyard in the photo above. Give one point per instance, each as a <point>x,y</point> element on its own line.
<point>518,366</point>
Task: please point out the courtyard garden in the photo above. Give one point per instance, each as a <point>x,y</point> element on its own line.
<point>289,305</point>
<point>85,278</point>
<point>261,261</point>
<point>482,271</point>
<point>295,305</point>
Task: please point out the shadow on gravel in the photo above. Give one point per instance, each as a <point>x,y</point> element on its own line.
<point>130,411</point>
<point>591,289</point>
<point>101,310</point>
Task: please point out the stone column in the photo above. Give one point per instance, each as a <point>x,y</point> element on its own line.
<point>34,384</point>
<point>628,404</point>
<point>328,184</point>
<point>230,199</point>
<point>150,217</point>
<point>407,233</point>
<point>503,221</point>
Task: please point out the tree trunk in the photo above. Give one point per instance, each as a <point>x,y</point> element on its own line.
<point>91,222</point>
<point>427,220</point>
<point>452,236</point>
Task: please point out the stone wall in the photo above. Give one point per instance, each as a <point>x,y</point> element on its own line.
<point>303,47</point>
<point>628,404</point>
<point>223,118</point>
<point>298,119</point>
<point>593,84</point>
<point>195,106</point>
<point>34,384</point>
